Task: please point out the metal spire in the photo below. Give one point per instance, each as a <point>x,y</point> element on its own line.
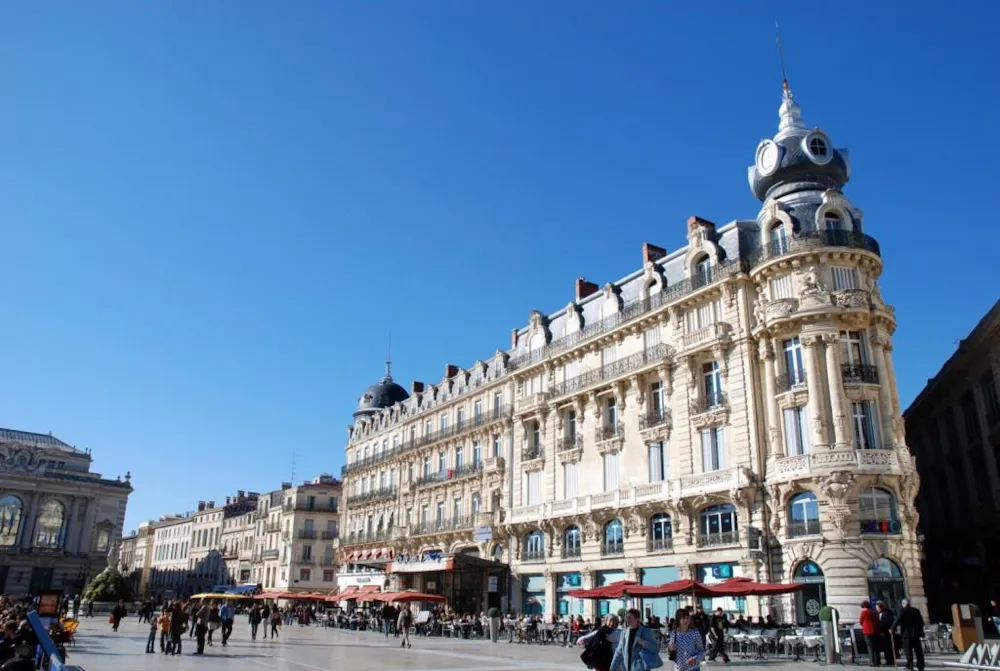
<point>789,114</point>
<point>388,358</point>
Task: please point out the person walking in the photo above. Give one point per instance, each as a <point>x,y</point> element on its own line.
<point>699,621</point>
<point>90,608</point>
<point>403,625</point>
<point>178,622</point>
<point>886,642</point>
<point>386,618</point>
<point>154,624</point>
<point>599,645</point>
<point>255,618</point>
<point>226,616</point>
<point>201,626</point>
<point>214,622</point>
<point>869,629</point>
<point>718,625</point>
<point>117,613</point>
<point>275,623</point>
<point>910,625</point>
<point>265,616</point>
<point>164,620</point>
<point>637,640</point>
<point>686,647</point>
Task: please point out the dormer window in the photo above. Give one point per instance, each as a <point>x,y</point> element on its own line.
<point>817,147</point>
<point>833,222</point>
<point>703,271</point>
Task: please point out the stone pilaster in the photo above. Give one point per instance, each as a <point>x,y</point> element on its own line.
<point>817,413</point>
<point>838,397</point>
<point>886,411</point>
<point>775,444</point>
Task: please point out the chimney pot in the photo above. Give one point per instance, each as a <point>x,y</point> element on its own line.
<point>450,370</point>
<point>416,387</point>
<point>651,252</point>
<point>585,288</point>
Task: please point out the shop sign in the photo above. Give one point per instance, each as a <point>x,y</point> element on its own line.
<point>483,534</point>
<point>881,527</point>
<point>362,580</point>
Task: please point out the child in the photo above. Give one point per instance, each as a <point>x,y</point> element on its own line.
<point>165,645</point>
<point>151,643</point>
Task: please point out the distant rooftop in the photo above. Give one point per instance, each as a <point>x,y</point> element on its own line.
<point>35,440</point>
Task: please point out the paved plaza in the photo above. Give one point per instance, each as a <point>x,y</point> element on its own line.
<point>317,649</point>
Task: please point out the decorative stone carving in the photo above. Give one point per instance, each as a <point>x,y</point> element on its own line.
<point>851,298</point>
<point>774,504</point>
<point>20,459</point>
<point>810,282</point>
<point>780,308</point>
<point>840,517</point>
<point>836,486</point>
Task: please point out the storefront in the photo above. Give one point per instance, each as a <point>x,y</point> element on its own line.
<point>469,583</point>
<point>886,583</point>
<point>564,583</point>
<point>533,594</point>
<point>711,574</point>
<point>606,606</point>
<point>665,607</point>
<point>812,598</point>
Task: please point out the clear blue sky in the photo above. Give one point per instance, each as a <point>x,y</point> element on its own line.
<point>213,213</point>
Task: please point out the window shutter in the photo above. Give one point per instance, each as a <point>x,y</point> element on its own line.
<point>721,433</point>
<point>781,287</point>
<point>706,450</point>
<point>844,278</point>
<point>802,415</point>
<point>791,432</point>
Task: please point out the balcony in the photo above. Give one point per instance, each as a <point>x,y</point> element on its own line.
<point>444,525</point>
<point>571,552</point>
<point>307,534</point>
<point>532,452</point>
<point>859,373</point>
<point>654,419</point>
<point>665,544</point>
<point>609,437</point>
<point>272,527</point>
<point>612,549</point>
<point>533,555</point>
<point>706,334</point>
<point>269,554</point>
<point>790,381</point>
<point>707,402</point>
<point>613,370</point>
<point>631,310</point>
<point>807,241</point>
<point>799,528</point>
<point>718,539</point>
<point>373,495</point>
<point>329,535</point>
<point>306,561</point>
<point>530,402</point>
<point>358,537</point>
<point>568,445</point>
<point>327,562</point>
<point>448,475</point>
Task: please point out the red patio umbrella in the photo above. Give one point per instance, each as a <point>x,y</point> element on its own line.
<point>615,590</point>
<point>406,597</point>
<point>748,587</point>
<point>683,587</point>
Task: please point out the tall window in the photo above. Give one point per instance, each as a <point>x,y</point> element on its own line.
<point>50,525</point>
<point>651,337</point>
<point>477,411</point>
<point>614,538</point>
<point>704,315</point>
<point>845,278</point>
<point>476,503</point>
<point>439,512</point>
<point>610,471</point>
<point>570,479</point>
<point>11,508</point>
<point>569,425</point>
<point>423,515</point>
<point>660,532</point>
<point>442,461</point>
<point>778,239</point>
<point>797,430</point>
<point>611,417</point>
<point>608,354</point>
<point>988,387</point>
<point>713,449</point>
<point>571,542</point>
<point>781,287</point>
<point>878,511</point>
<point>477,452</point>
<point>657,400</point>
<point>865,425</point>
<point>459,457</point>
<point>852,348</point>
<point>457,509</point>
<point>657,462</point>
<point>534,488</point>
<point>834,222</point>
<point>702,272</point>
<point>535,437</point>
<point>793,362</point>
<point>497,445</point>
<point>712,384</point>
<point>718,525</point>
<point>428,428</point>
<point>497,404</point>
<point>534,546</point>
<point>803,515</point>
<point>459,418</point>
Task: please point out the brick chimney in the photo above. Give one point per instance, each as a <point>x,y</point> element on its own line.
<point>228,500</point>
<point>240,493</point>
<point>450,370</point>
<point>210,505</point>
<point>416,387</point>
<point>513,338</point>
<point>584,288</point>
<point>286,485</point>
<point>201,506</point>
<point>651,252</point>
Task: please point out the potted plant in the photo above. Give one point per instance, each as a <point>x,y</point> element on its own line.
<point>494,615</point>
<point>827,620</point>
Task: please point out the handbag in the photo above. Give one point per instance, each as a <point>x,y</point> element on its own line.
<point>647,659</point>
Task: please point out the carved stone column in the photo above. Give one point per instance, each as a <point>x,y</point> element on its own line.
<point>886,409</point>
<point>775,445</point>
<point>838,397</point>
<point>817,416</point>
<point>897,413</point>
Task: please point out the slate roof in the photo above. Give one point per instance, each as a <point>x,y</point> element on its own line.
<point>34,439</point>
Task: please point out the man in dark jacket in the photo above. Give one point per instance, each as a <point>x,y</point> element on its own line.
<point>386,618</point>
<point>178,620</point>
<point>886,618</point>
<point>719,624</point>
<point>910,625</point>
<point>700,622</point>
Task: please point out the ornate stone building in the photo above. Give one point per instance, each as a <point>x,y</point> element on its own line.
<point>57,518</point>
<point>728,409</point>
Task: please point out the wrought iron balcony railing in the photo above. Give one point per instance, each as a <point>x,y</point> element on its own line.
<point>533,555</point>
<point>860,372</point>
<point>447,524</point>
<point>798,528</point>
<point>330,535</point>
<point>791,380</point>
<point>609,549</point>
<point>662,544</point>
<point>609,431</point>
<point>356,537</point>
<point>530,452</point>
<point>718,538</point>
<point>570,442</point>
<point>611,371</point>
<point>571,552</point>
<point>373,495</point>
<point>708,401</point>
<point>307,534</point>
<point>809,240</point>
<point>631,310</point>
<point>654,418</point>
<point>462,471</point>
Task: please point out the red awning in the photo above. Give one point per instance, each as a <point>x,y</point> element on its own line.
<point>378,553</point>
<point>615,590</point>
<point>347,593</point>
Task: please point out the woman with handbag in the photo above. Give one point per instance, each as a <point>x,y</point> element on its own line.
<point>637,649</point>
<point>686,647</point>
<point>598,646</point>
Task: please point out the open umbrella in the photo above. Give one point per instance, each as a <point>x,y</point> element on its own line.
<point>406,597</point>
<point>748,587</point>
<point>615,590</point>
<point>683,587</point>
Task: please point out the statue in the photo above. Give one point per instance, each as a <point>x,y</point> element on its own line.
<point>811,283</point>
<point>114,552</point>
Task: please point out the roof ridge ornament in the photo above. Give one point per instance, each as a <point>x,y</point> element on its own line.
<point>790,114</point>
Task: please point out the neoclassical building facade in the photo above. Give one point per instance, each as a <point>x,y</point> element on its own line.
<point>729,409</point>
<point>58,520</point>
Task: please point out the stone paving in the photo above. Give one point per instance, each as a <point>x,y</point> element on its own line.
<point>317,649</point>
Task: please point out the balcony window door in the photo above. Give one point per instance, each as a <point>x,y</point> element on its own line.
<point>803,515</point>
<point>660,531</point>
<point>611,414</point>
<point>457,509</point>
<point>428,429</point>
<point>834,222</point>
<point>497,445</point>
<point>477,411</point>
<point>423,516</point>
<point>651,337</point>
<point>307,552</point>
<point>497,404</point>
<point>442,461</point>
<point>865,420</point>
<point>781,287</point>
<point>459,418</point>
<point>476,503</point>
<point>712,384</point>
<point>713,448</point>
<point>439,512</point>
<point>797,430</point>
<point>443,424</point>
<point>569,425</point>
<point>459,458</point>
<point>702,272</point>
<point>657,462</point>
<point>534,545</point>
<point>534,488</point>
<point>427,467</point>
<point>571,541</point>
<point>852,348</point>
<point>794,366</point>
<point>610,471</point>
<point>656,399</point>
<point>381,480</point>
<point>608,354</point>
<point>718,520</point>
<point>778,239</point>
<point>477,452</point>
<point>570,479</point>
<point>535,437</point>
<point>845,278</point>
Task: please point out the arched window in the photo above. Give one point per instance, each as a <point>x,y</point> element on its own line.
<point>803,515</point>
<point>498,553</point>
<point>702,271</point>
<point>777,238</point>
<point>571,542</point>
<point>717,526</point>
<point>834,222</point>
<point>886,582</point>
<point>660,533</point>
<point>50,525</point>
<point>878,511</point>
<point>614,538</point>
<point>812,597</point>
<point>10,519</point>
<point>534,546</point>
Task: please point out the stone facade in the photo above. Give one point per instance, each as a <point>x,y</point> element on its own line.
<point>58,520</point>
<point>169,558</point>
<point>953,428</point>
<point>728,409</point>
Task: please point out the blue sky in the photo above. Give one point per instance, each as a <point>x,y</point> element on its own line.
<point>214,213</point>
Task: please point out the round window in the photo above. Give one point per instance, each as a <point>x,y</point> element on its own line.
<point>817,146</point>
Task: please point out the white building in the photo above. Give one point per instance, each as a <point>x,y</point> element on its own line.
<point>169,561</point>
